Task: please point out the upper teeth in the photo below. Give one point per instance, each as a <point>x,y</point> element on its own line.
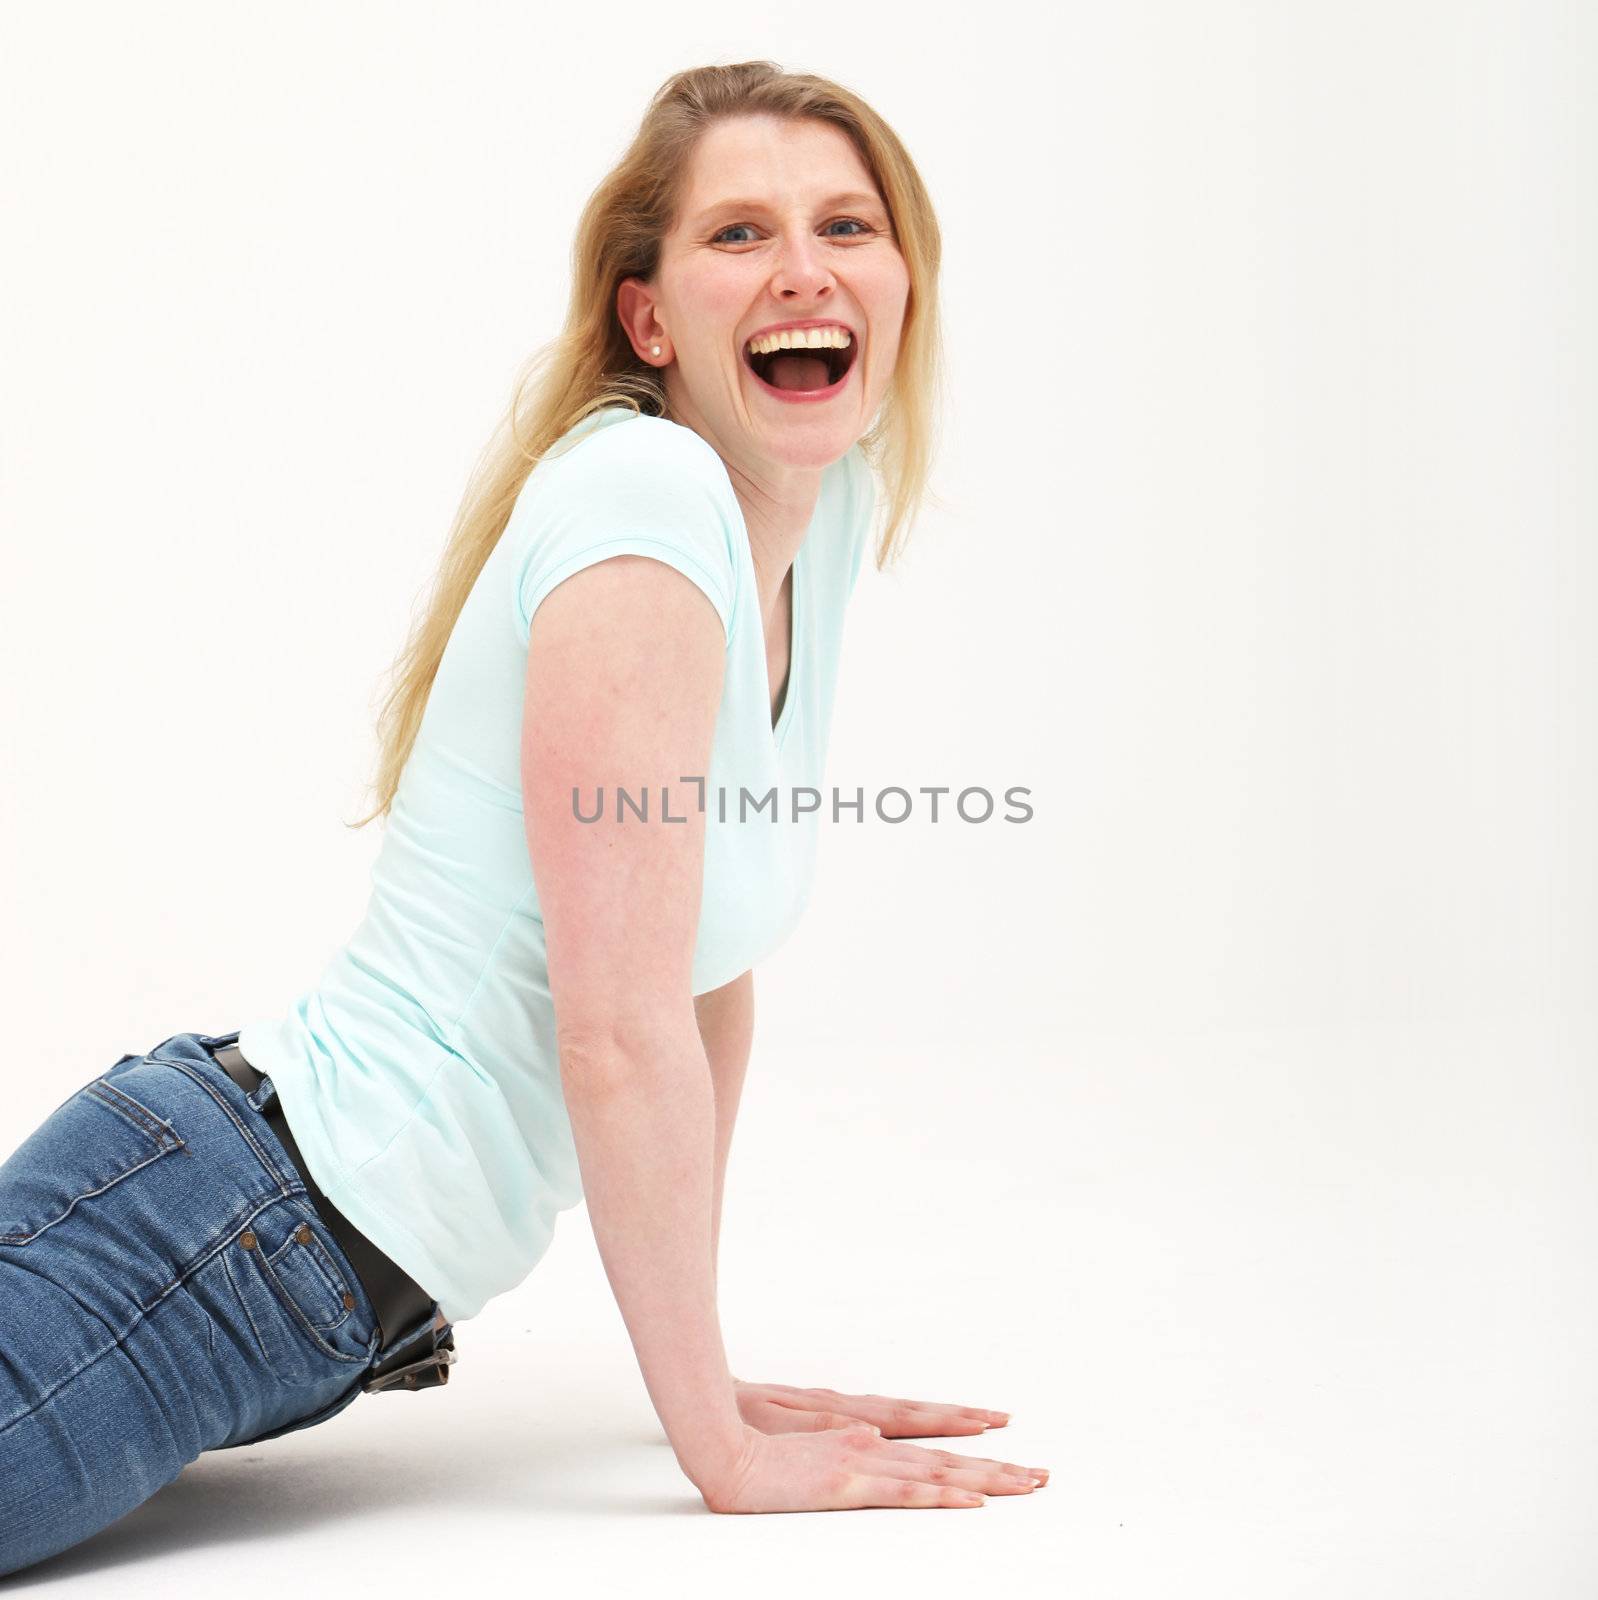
<point>800,339</point>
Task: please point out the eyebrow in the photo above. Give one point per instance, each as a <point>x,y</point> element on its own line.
<point>860,201</point>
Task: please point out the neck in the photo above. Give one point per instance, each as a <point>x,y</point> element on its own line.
<point>778,503</point>
<point>777,520</point>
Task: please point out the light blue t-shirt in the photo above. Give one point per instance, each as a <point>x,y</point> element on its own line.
<point>419,1075</point>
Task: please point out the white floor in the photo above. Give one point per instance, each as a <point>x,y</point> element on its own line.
<point>1284,1316</point>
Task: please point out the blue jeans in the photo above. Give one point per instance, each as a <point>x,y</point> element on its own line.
<point>166,1288</point>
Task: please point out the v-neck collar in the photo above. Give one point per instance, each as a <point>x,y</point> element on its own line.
<point>797,655</point>
<point>799,612</point>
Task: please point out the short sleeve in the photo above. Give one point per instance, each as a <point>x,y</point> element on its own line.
<point>862,506</point>
<point>641,486</point>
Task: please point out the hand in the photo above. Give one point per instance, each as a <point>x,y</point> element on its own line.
<point>779,1408</point>
<point>846,1469</point>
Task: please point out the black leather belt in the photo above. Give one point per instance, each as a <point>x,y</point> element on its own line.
<point>397,1298</point>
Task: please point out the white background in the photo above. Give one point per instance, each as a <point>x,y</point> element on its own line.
<point>1232,1122</point>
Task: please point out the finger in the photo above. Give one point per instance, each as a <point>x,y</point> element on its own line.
<point>925,1422</point>
<point>899,1420</point>
<point>825,1421</point>
<point>802,1404</point>
<point>915,1452</point>
<point>900,1417</point>
<point>891,1423</point>
<point>771,1418</point>
<point>816,1400</point>
<point>991,1419</point>
<point>894,1417</point>
<point>980,1480</point>
<point>908,1494</point>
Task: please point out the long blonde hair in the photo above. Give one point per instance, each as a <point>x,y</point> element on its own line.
<point>591,365</point>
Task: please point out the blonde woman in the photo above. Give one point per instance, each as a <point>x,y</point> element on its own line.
<point>592,758</point>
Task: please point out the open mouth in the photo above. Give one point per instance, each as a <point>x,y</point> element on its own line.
<point>804,371</point>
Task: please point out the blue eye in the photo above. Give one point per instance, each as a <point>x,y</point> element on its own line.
<point>721,237</point>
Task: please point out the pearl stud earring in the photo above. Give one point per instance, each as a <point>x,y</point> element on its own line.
<point>654,349</point>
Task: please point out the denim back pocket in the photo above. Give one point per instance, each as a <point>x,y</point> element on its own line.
<point>303,1305</point>
<point>90,1143</point>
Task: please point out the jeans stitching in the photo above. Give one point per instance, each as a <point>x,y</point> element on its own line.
<point>276,1285</point>
<point>314,1255</point>
<point>142,1117</point>
<point>221,1242</point>
<point>28,1238</point>
<point>249,1138</point>
<point>224,1238</point>
<point>244,1306</point>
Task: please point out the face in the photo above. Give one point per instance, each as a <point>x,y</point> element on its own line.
<point>780,224</point>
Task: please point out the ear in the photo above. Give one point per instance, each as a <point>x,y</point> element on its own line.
<point>635,306</point>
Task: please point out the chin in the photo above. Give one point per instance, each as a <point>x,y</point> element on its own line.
<point>807,439</point>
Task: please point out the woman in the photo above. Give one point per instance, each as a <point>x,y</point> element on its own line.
<point>550,997</point>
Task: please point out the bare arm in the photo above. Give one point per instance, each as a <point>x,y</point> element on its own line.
<point>624,670</point>
<point>726,1019</point>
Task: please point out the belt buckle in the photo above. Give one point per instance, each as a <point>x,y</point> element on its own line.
<point>426,1373</point>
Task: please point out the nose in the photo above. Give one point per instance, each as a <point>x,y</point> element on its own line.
<point>802,271</point>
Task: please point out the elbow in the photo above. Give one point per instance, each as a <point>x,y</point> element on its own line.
<point>624,1051</point>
